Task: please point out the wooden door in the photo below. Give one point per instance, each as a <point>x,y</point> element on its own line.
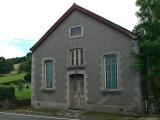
<point>77,94</point>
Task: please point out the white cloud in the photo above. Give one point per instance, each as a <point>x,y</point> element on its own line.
<point>10,51</point>
<point>30,19</point>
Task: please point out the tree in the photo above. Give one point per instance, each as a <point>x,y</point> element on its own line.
<point>148,35</point>
<point>17,60</point>
<point>2,67</point>
<point>26,66</point>
<point>5,66</point>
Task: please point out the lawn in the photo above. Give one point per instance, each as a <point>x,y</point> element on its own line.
<point>14,77</point>
<point>24,93</point>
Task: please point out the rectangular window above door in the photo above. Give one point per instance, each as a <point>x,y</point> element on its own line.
<point>76,57</point>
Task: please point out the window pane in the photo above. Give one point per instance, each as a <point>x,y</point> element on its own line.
<point>81,54</point>
<point>72,57</point>
<point>75,31</point>
<point>76,56</point>
<point>111,71</point>
<point>49,73</point>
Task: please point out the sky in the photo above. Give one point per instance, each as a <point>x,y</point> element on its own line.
<point>23,22</point>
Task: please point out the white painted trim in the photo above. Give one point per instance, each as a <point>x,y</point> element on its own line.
<point>74,61</point>
<point>79,56</point>
<point>43,81</point>
<point>36,116</point>
<point>77,36</point>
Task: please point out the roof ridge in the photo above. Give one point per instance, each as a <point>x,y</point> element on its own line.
<point>86,12</point>
<point>101,17</point>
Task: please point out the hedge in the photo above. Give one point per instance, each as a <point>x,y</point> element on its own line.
<point>7,92</point>
<point>10,83</point>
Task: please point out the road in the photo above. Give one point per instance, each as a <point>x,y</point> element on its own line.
<point>12,116</point>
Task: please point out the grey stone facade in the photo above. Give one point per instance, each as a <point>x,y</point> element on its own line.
<point>97,40</point>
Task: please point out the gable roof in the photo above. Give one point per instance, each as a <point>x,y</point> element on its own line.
<point>88,13</point>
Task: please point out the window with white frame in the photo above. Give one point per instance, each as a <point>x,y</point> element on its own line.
<point>48,73</point>
<point>76,57</point>
<point>75,31</point>
<point>110,65</point>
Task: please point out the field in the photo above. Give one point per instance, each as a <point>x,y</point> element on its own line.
<point>12,77</point>
<point>25,93</point>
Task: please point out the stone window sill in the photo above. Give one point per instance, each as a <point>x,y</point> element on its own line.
<point>48,89</point>
<point>104,90</point>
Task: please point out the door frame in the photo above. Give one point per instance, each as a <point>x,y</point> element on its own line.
<point>71,72</point>
<point>74,80</point>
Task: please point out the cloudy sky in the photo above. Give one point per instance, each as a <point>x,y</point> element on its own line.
<point>23,22</point>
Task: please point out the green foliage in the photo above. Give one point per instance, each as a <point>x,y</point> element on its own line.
<point>16,69</point>
<point>148,35</point>
<point>25,93</point>
<point>7,92</point>
<point>12,78</point>
<point>27,77</point>
<point>26,66</point>
<point>17,60</point>
<point>5,66</point>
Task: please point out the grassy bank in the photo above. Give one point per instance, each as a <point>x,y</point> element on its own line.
<point>12,77</point>
<point>25,93</point>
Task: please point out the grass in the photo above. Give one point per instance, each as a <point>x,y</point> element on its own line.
<point>24,93</point>
<point>15,76</point>
<point>10,78</point>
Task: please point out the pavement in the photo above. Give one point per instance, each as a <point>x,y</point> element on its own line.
<point>13,116</point>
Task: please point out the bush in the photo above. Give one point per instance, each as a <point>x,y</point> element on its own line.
<point>27,87</point>
<point>7,92</point>
<point>27,77</point>
<point>1,75</point>
<point>10,83</point>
